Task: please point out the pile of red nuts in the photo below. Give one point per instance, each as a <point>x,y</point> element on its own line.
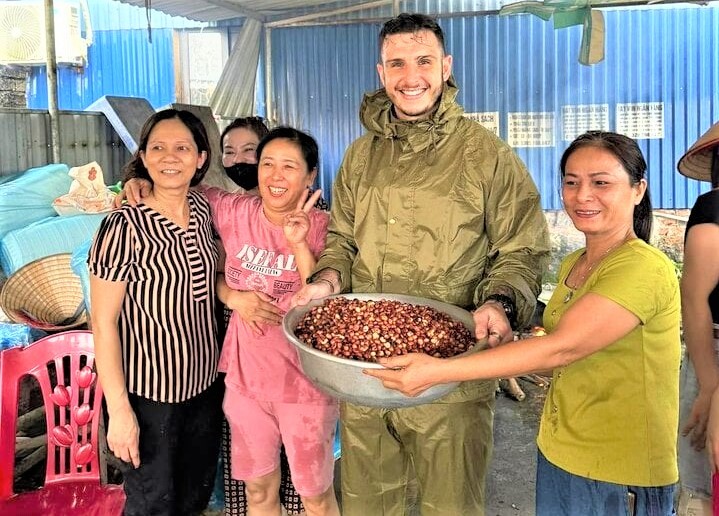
<point>367,330</point>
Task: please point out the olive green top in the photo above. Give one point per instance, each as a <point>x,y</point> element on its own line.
<point>613,416</point>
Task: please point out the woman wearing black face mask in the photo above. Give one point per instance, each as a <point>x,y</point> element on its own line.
<point>239,144</point>
<point>244,175</point>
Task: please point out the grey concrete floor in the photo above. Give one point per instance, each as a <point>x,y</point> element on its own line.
<point>510,483</point>
<point>510,486</point>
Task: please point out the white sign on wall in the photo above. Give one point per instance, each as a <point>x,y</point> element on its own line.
<point>641,120</point>
<point>530,129</point>
<point>488,119</point>
<point>580,118</point>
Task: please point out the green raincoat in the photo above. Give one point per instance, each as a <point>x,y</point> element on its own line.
<point>438,208</point>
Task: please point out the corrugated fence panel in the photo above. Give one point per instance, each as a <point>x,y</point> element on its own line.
<point>84,137</point>
<point>521,64</point>
<point>88,137</point>
<point>29,143</point>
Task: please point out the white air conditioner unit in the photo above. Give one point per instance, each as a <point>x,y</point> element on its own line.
<point>22,33</point>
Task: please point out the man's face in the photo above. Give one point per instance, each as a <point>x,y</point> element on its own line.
<point>412,71</point>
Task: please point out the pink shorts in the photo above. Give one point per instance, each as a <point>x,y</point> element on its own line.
<point>259,428</point>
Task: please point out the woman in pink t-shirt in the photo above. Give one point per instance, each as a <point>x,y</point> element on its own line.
<point>271,242</point>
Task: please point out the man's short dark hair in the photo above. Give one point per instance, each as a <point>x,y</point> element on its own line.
<point>411,23</point>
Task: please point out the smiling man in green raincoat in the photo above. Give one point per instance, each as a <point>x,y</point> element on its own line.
<point>431,204</point>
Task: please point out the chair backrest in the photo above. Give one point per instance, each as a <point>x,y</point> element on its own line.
<point>63,365</point>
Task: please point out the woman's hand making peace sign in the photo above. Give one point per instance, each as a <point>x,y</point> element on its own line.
<point>297,224</point>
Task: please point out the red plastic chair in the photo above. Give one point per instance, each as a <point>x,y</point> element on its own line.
<point>73,408</point>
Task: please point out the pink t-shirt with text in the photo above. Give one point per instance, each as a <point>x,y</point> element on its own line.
<point>265,368</point>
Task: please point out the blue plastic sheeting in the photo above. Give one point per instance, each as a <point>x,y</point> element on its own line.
<point>78,263</point>
<point>28,198</point>
<point>14,335</point>
<point>48,236</point>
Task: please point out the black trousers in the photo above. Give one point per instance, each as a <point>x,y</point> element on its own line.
<point>179,446</point>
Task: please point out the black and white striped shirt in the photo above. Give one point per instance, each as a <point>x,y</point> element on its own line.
<point>166,326</point>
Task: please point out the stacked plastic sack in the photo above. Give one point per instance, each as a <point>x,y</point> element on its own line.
<point>30,227</point>
<point>47,211</point>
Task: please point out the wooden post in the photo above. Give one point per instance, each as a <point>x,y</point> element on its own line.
<point>51,63</point>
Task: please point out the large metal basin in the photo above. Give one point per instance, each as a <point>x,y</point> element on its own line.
<point>343,378</point>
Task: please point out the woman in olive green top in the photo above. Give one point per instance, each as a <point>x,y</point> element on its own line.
<point>607,439</point>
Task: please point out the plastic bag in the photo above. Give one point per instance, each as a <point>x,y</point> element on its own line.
<point>88,193</point>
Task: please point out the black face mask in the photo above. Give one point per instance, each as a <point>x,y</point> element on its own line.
<point>243,174</point>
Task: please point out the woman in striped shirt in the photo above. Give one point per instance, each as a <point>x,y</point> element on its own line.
<point>153,287</point>
<point>271,242</point>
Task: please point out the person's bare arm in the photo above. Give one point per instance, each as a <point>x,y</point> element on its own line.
<point>123,432</point>
<point>577,336</point>
<point>699,277</point>
<point>326,282</point>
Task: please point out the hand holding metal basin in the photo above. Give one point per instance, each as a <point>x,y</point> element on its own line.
<point>343,378</point>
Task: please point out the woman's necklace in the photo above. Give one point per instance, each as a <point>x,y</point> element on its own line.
<point>585,273</point>
<point>179,216</point>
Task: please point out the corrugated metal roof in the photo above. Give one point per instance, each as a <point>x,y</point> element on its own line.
<point>275,10</point>
<point>278,10</point>
<point>200,11</point>
<point>214,10</point>
<point>114,15</point>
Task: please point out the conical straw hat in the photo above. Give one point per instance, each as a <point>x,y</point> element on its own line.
<point>697,161</point>
<point>45,294</point>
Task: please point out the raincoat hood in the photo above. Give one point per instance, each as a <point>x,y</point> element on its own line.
<point>386,233</point>
<point>377,116</point>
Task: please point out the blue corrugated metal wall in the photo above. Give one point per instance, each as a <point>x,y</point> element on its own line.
<point>320,74</point>
<point>121,61</point>
<point>520,63</point>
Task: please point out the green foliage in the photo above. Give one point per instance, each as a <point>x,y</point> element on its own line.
<point>678,268</point>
